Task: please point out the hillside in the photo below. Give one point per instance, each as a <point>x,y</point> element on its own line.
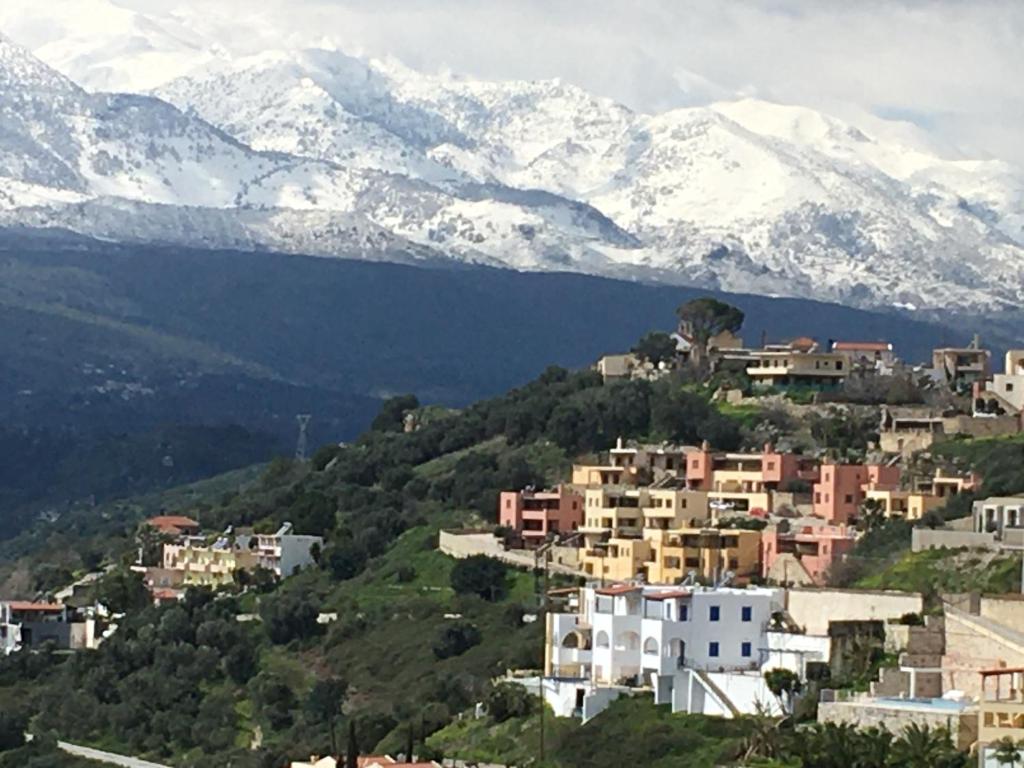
<point>190,685</point>
<point>129,357</point>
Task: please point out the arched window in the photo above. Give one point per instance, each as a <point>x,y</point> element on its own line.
<point>627,641</point>
<point>651,646</point>
<point>602,639</point>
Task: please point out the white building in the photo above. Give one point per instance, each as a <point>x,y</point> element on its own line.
<point>284,552</point>
<point>702,649</point>
<point>996,513</point>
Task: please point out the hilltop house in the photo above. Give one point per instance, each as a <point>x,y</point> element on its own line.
<point>1005,392</point>
<point>877,355</point>
<point>31,625</point>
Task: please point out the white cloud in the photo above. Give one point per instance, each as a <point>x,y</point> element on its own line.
<point>952,67</point>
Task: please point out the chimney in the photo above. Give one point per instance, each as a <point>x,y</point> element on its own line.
<point>618,443</point>
<point>705,446</point>
<point>769,447</point>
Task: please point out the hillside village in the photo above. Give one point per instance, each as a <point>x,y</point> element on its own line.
<point>727,532</point>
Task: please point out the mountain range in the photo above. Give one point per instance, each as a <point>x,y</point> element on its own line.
<point>317,152</point>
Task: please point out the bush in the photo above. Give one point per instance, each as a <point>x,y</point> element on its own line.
<point>506,700</point>
<point>456,639</point>
<point>480,575</point>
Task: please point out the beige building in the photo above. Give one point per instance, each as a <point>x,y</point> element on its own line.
<point>1006,390</point>
<point>208,566</point>
<point>797,365</point>
<point>622,527</point>
<point>898,502</point>
<point>960,367</point>
<point>594,475</point>
<point>709,553</point>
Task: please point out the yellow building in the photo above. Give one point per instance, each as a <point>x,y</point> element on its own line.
<point>896,502</point>
<point>208,566</point>
<point>707,552</point>
<point>656,533</point>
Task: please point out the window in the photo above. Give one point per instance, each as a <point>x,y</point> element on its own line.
<point>713,613</point>
<point>684,613</point>
<point>1009,387</point>
<point>746,613</point>
<point>713,650</point>
<point>745,650</point>
<point>849,498</point>
<point>839,365</point>
<point>695,464</point>
<point>771,466</point>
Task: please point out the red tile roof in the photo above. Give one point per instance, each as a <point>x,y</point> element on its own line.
<point>172,522</point>
<point>41,607</point>
<point>853,346</point>
<point>618,589</point>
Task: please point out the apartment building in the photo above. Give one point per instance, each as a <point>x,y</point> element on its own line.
<point>619,521</point>
<point>586,475</point>
<point>709,554</point>
<point>803,554</point>
<point>536,515</point>
<point>901,502</point>
<point>743,483</point>
<point>282,553</point>
<point>841,488</point>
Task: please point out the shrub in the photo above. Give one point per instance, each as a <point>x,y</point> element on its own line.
<point>456,639</point>
<point>480,575</point>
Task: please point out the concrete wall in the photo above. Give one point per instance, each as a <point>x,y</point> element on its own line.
<point>863,713</point>
<point>564,560</point>
<point>1008,610</point>
<point>926,538</point>
<point>974,643</point>
<point>813,609</point>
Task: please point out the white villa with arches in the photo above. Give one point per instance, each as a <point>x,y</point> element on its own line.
<point>700,649</point>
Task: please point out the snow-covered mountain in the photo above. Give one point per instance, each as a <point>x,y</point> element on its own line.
<point>315,151</point>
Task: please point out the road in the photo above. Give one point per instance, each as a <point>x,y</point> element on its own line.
<point>106,757</point>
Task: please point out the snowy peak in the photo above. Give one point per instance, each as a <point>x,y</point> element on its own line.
<point>315,151</point>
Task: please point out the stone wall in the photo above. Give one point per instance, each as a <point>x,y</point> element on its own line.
<point>462,544</point>
<point>865,713</point>
<point>926,538</point>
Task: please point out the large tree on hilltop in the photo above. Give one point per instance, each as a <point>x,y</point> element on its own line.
<point>702,319</point>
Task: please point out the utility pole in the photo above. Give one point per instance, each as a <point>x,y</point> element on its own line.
<point>544,555</point>
<point>301,446</point>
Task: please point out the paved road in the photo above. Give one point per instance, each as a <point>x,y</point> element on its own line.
<point>106,757</point>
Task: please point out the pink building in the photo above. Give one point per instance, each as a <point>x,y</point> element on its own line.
<point>839,491</point>
<point>534,514</point>
<point>763,472</point>
<point>804,555</point>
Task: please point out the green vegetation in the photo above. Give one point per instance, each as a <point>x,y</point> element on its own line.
<point>632,731</point>
<point>935,571</point>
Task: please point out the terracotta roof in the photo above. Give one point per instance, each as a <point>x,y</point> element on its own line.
<point>375,760</point>
<point>41,607</point>
<point>853,346</point>
<point>802,342</point>
<point>618,589</point>
<point>165,522</point>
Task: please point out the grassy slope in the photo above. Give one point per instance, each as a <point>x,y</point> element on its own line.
<point>631,732</point>
<point>1000,461</point>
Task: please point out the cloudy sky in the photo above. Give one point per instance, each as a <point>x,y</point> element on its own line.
<point>952,67</point>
